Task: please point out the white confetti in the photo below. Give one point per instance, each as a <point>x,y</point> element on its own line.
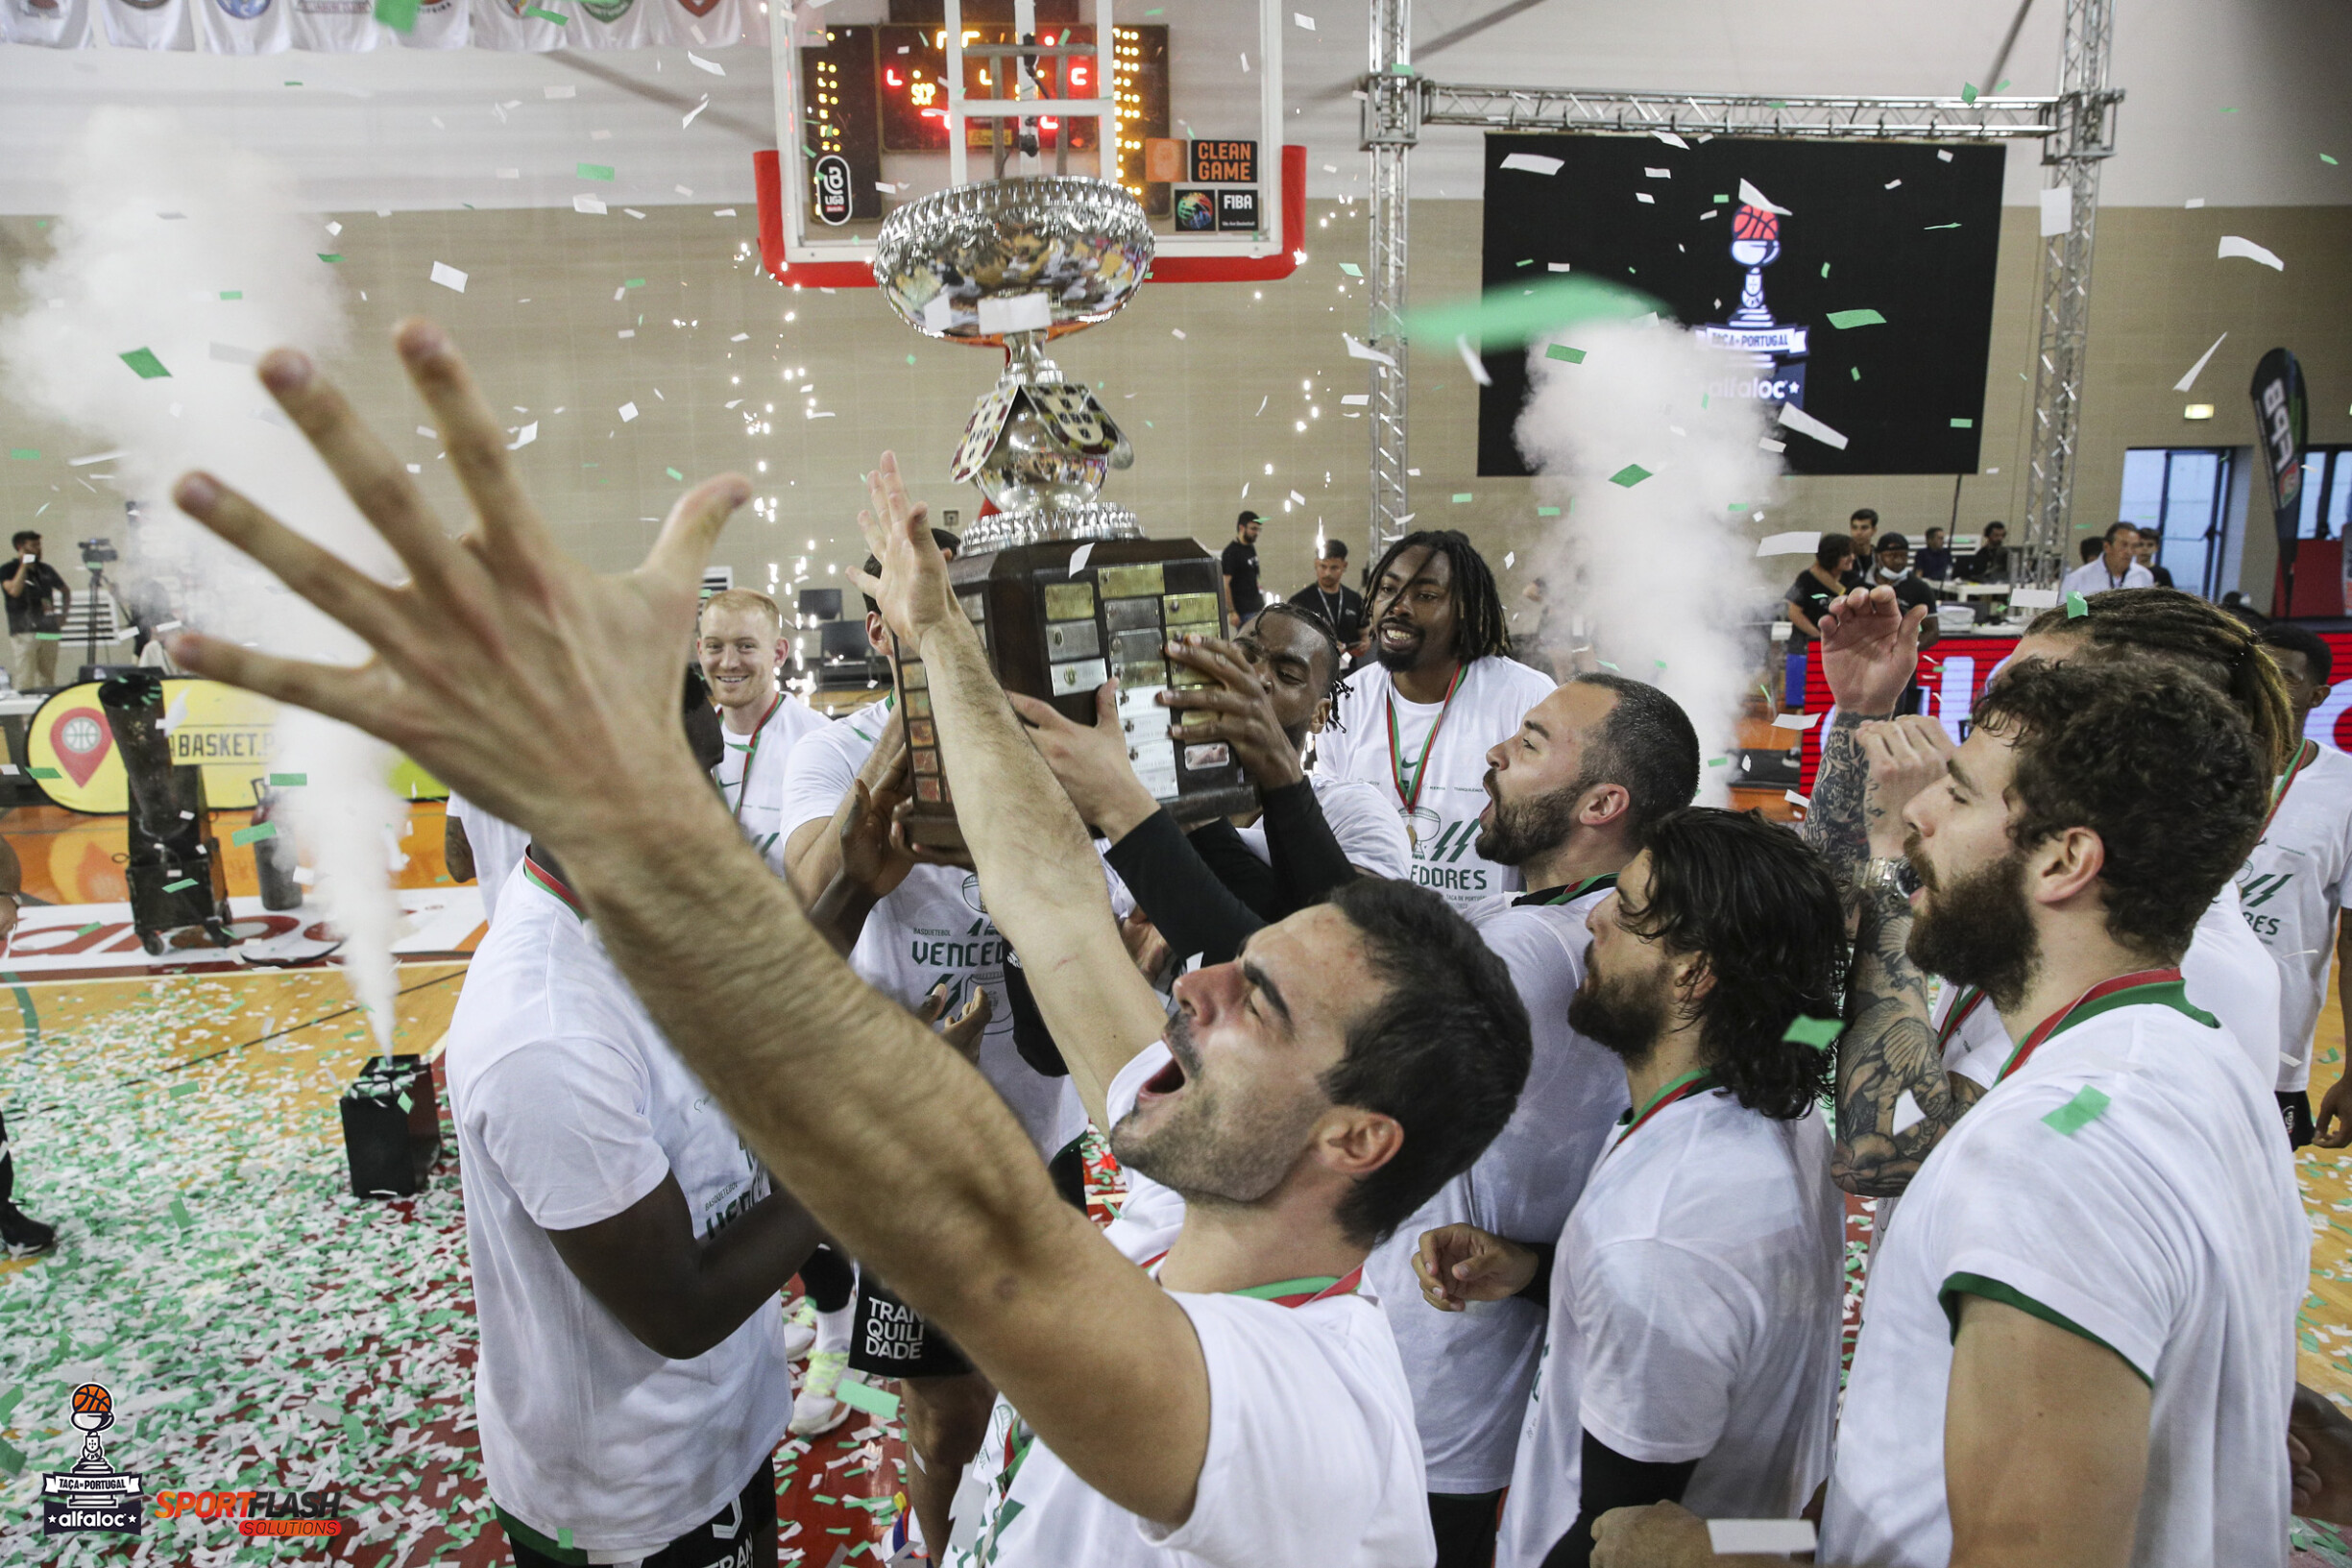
<point>1303,20</point>
<point>2234,245</point>
<point>1795,799</point>
<point>561,93</point>
<point>1789,544</point>
<point>1078,557</point>
<point>1671,139</point>
<point>1511,558</point>
<point>1355,399</point>
<point>2057,210</point>
<point>587,204</point>
<point>1892,183</point>
<point>1469,357</point>
<point>229,354</point>
<point>449,277</point>
<point>1175,332</point>
<point>524,436</point>
<point>1644,195</point>
<point>2034,598</point>
<point>2189,380</point>
<point>1532,162</point>
<point>1357,351</point>
<point>1795,721</point>
<point>2194,202</point>
<point>1776,1535</point>
<point>701,64</point>
<point>1943,156</point>
<point>1805,424</point>
<point>689,120</point>
<point>509,174</point>
<point>1658,174</point>
<point>1752,197</point>
<point>628,412</point>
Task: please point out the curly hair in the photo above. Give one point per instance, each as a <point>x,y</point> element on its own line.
<point>2154,759</point>
<point>1313,621</point>
<point>1481,629</point>
<point>1763,911</point>
<point>2193,635</point>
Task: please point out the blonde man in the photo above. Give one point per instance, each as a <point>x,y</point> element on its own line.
<point>738,641</point>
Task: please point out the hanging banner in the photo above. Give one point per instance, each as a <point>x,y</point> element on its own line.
<point>244,26</point>
<point>2280,416</point>
<point>148,24</point>
<point>49,24</point>
<point>230,734</point>
<point>441,24</point>
<point>335,27</point>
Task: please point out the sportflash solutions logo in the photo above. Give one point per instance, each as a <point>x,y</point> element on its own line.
<point>260,1512</point>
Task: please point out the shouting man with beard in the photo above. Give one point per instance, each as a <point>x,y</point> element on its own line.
<point>1417,724</point>
<point>1234,1401</point>
<point>1690,1350</point>
<point>2079,1343</point>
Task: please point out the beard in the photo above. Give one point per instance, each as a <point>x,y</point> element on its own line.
<point>1207,1153</point>
<point>1623,1018</point>
<point>1525,829</point>
<point>1976,929</point>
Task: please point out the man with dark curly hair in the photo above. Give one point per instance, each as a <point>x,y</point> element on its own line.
<point>1691,1349</point>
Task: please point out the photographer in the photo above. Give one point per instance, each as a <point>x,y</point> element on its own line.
<point>38,602</point>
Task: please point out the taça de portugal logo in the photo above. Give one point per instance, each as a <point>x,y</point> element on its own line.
<point>92,1495</point>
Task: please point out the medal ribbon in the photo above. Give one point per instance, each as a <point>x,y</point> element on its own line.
<point>1286,1292</point>
<point>2303,758</point>
<point>1968,1001</point>
<point>2097,999</point>
<point>1568,895</point>
<point>1420,769</point>
<point>751,754</point>
<point>1697,1081</point>
<point>547,882</point>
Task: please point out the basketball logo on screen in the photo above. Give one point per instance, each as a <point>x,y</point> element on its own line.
<point>1777,353</point>
<point>93,1495</point>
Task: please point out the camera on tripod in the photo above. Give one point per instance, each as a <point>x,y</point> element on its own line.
<point>99,552</point>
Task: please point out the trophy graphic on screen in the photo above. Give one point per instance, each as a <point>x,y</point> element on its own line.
<point>1064,588</point>
<point>1777,351</point>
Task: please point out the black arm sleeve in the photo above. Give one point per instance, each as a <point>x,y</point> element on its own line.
<point>1030,1035</point>
<point>1308,860</point>
<point>1179,893</point>
<point>1612,1481</point>
<point>1245,877</point>
<point>1539,1288</point>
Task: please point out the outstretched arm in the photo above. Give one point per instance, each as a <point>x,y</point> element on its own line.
<point>1038,871</point>
<point>516,674</point>
<point>1869,653</point>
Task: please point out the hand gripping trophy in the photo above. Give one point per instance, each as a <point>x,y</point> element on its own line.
<point>1064,588</point>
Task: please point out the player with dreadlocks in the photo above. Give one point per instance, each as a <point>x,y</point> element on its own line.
<point>1417,723</point>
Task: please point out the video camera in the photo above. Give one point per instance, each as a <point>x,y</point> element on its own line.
<point>99,552</point>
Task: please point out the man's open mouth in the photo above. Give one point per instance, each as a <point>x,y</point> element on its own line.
<point>1167,1081</point>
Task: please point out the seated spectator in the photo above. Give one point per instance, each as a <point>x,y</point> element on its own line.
<point>2113,566</point>
<point>1833,562</point>
<point>1934,562</point>
<point>1991,562</point>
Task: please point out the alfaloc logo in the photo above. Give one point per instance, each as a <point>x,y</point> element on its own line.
<point>92,1495</point>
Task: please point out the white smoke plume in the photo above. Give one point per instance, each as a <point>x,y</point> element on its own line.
<point>1660,575</point>
<point>197,252</point>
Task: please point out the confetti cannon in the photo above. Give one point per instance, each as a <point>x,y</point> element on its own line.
<point>174,869</point>
<point>1064,588</point>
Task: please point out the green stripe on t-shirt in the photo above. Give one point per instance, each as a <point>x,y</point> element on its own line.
<point>1957,1286</point>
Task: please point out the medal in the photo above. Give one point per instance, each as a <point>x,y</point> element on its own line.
<point>1411,795</point>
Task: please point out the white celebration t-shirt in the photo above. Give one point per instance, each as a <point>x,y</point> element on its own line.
<point>1471,1371</point>
<point>764,756</point>
<point>1494,697</point>
<point>1369,832</point>
<point>570,1107</point>
<point>1694,1315</point>
<point>2292,890</point>
<point>497,848</point>
<point>2128,1178</point>
<point>930,929</point>
<point>1311,1451</point>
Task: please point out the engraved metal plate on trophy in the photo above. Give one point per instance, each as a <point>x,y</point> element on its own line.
<point>1015,263</point>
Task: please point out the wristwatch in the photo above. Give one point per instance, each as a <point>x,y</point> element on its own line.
<point>1890,872</point>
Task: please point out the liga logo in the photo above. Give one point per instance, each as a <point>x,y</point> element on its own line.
<point>93,1495</point>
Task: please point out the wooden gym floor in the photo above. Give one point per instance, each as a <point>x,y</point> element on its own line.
<point>260,1328</point>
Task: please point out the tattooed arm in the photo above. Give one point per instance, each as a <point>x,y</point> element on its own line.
<point>1890,1048</point>
<point>1869,653</point>
<point>1834,824</point>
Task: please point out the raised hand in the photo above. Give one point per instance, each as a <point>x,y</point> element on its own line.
<point>1091,763</point>
<point>873,854</point>
<point>1238,709</point>
<point>1870,649</point>
<point>543,691</point>
<point>914,592</point>
<point>1458,1264</point>
<point>1906,755</point>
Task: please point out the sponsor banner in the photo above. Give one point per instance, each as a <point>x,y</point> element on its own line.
<point>55,24</point>
<point>81,941</point>
<point>69,746</point>
<point>244,26</point>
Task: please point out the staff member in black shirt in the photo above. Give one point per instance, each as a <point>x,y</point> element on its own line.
<point>1242,595</point>
<point>39,601</point>
<point>1818,584</point>
<point>1329,596</point>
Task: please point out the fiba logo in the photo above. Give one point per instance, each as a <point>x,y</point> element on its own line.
<point>93,1495</point>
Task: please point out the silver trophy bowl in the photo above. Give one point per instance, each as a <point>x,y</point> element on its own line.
<point>1081,243</point>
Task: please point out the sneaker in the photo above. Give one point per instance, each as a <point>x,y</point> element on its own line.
<point>815,1409</point>
<point>799,1328</point>
<point>26,1237</point>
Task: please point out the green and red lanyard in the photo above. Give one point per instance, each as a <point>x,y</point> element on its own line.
<point>547,882</point>
<point>2124,991</point>
<point>1697,1082</point>
<point>1411,797</point>
<point>2303,758</point>
<point>1569,894</point>
<point>1286,1292</point>
<point>751,753</point>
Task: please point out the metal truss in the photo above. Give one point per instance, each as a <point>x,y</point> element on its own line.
<point>2076,129</point>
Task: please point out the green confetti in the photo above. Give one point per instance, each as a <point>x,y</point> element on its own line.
<point>1717,761</point>
<point>11,1458</point>
<point>288,781</point>
<point>860,1396</point>
<point>2329,161</point>
<point>545,15</point>
<point>48,636</point>
<point>1843,319</point>
<point>910,359</point>
<point>1825,269</point>
<point>44,773</point>
<point>593,171</point>
<point>146,365</point>
<point>1931,227</point>
<point>563,1536</point>
<point>184,882</point>
<point>2076,605</point>
<point>233,293</point>
<point>25,454</point>
<point>1564,353</point>
<point>674,474</point>
<point>1461,496</point>
<point>253,835</point>
<point>1968,93</point>
<point>630,283</point>
<point>85,931</point>
<point>8,1400</point>
<point>330,259</point>
<point>2077,1113</point>
<point>1351,269</point>
<point>1855,372</point>
<point>1821,1033</point>
<point>180,1212</point>
<point>1547,510</point>
<point>400,15</point>
<point>1630,476</point>
<point>405,1103</point>
<point>182,1091</point>
<point>1964,424</point>
<point>1722,199</point>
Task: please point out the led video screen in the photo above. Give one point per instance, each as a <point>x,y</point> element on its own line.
<point>1854,280</point>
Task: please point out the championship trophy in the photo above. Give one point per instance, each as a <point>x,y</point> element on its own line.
<point>1778,351</point>
<point>1064,588</point>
